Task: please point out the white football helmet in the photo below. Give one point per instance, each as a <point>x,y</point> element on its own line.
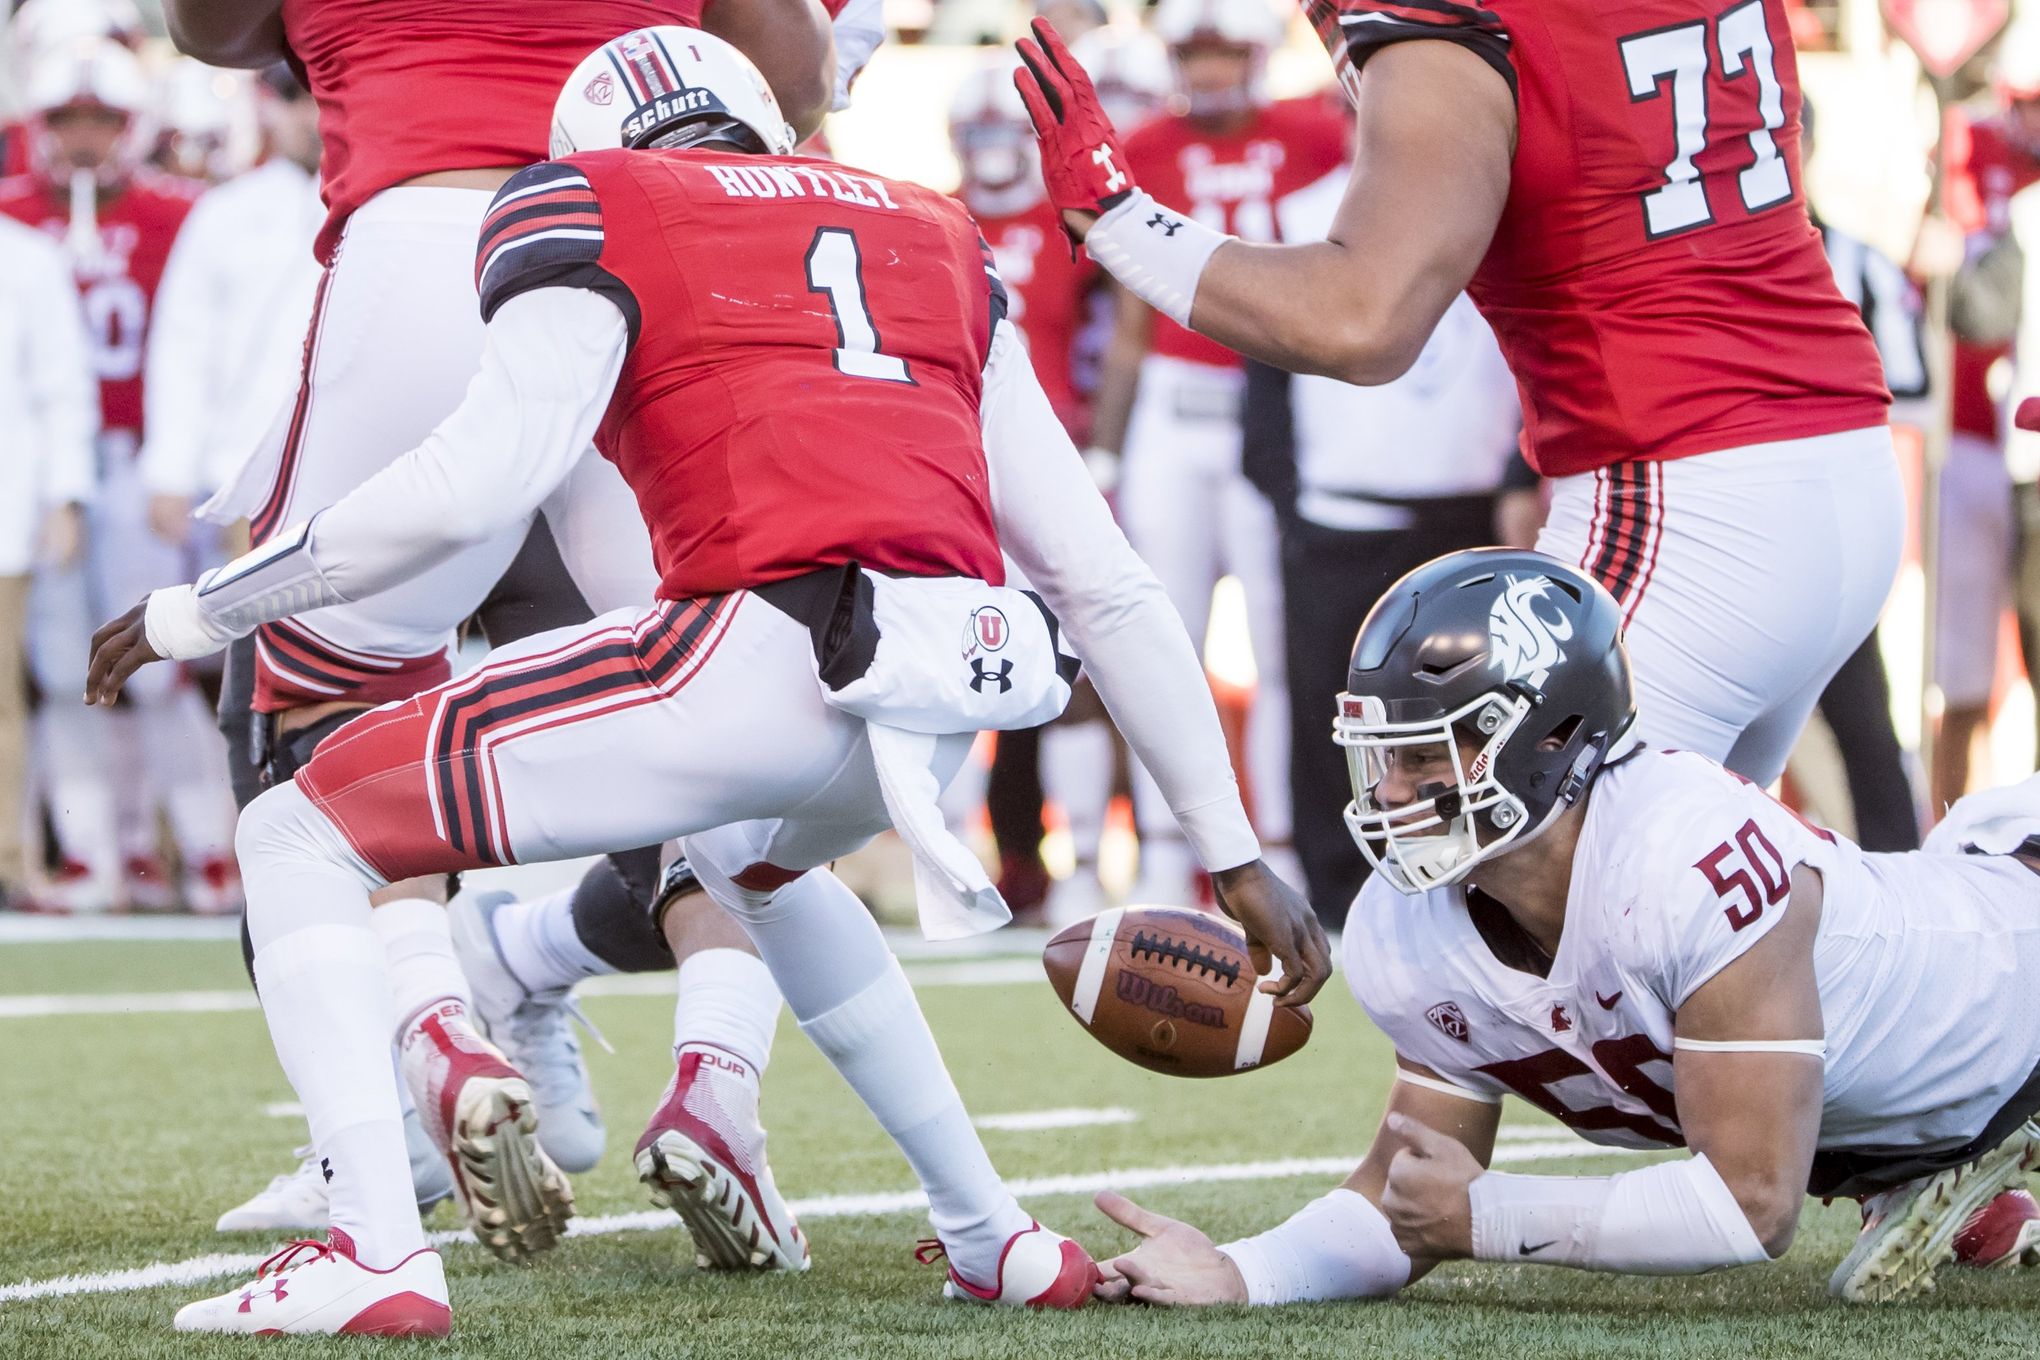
<point>1130,69</point>
<point>91,73</point>
<point>40,26</point>
<point>207,118</point>
<point>665,87</point>
<point>1247,23</point>
<point>994,142</point>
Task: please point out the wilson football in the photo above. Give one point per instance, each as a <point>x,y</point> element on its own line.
<point>1172,990</point>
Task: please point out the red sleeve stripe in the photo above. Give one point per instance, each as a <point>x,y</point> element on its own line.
<point>581,199</point>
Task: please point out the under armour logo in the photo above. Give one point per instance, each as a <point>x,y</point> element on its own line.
<point>275,1292</point>
<point>981,674</point>
<point>1115,178</point>
<point>326,1168</point>
<point>1169,225</point>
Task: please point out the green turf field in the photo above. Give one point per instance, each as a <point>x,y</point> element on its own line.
<point>123,1136</point>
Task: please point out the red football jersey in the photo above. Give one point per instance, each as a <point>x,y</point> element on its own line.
<point>426,85</point>
<point>1231,183</point>
<point>1986,166</point>
<point>136,229</point>
<point>807,355</point>
<point>1045,292</point>
<point>1655,281</point>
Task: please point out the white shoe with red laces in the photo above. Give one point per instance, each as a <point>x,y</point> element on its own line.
<point>478,1110</point>
<point>2004,1232</point>
<point>1037,1269</point>
<point>703,1156</point>
<point>319,1288</point>
<point>1909,1231</point>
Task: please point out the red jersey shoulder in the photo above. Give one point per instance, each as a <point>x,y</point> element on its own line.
<point>1354,30</point>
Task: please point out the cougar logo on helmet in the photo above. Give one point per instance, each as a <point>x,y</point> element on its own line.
<point>1525,642</point>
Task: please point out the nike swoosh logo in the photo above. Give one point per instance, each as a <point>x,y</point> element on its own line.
<point>1533,1250</point>
<point>1607,1002</point>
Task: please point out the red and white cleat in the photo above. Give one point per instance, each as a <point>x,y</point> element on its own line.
<point>148,884</point>
<point>703,1156</point>
<point>74,888</point>
<point>318,1288</point>
<point>1037,1269</point>
<point>478,1110</point>
<point>2004,1232</point>
<point>1910,1231</point>
<point>213,887</point>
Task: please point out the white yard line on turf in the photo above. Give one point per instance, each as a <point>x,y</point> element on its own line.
<point>200,1269</point>
<point>959,973</point>
<point>1036,1121</point>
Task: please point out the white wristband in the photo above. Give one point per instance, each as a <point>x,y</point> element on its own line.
<point>177,626</point>
<point>1675,1218</point>
<point>1336,1247</point>
<point>1156,252</point>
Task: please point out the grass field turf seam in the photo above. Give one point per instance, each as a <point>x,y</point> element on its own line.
<point>121,1138</point>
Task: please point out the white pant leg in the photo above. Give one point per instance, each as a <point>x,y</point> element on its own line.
<point>1253,554</point>
<point>1182,444</point>
<point>640,727</point>
<point>396,337</point>
<point>1746,577</point>
<point>601,536</point>
<point>1977,544</point>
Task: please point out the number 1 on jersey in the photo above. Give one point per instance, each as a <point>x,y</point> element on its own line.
<point>834,267</point>
<point>1679,55</point>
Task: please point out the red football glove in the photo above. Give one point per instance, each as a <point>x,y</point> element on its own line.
<point>2028,417</point>
<point>1080,155</point>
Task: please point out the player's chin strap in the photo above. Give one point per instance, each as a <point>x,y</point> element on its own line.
<point>1156,252</point>
<point>1676,1218</point>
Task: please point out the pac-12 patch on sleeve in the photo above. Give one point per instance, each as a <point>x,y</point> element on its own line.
<point>544,230</point>
<point>1354,30</point>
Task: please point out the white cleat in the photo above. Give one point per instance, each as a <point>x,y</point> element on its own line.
<point>536,1033</point>
<point>703,1156</point>
<point>479,1111</point>
<point>318,1288</point>
<point>1038,1269</point>
<point>293,1202</point>
<point>1910,1231</point>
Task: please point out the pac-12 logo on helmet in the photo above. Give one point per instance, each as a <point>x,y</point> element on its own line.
<point>1524,640</point>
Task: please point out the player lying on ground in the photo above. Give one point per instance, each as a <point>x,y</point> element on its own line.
<point>844,392</point>
<point>1655,953</point>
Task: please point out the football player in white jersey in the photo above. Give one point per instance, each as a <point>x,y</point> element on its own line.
<point>1654,952</point>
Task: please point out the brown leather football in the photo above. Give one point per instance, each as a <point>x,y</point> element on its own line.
<point>1172,990</point>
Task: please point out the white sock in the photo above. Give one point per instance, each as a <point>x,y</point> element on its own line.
<point>417,941</point>
<point>842,983</point>
<point>187,769</point>
<point>320,974</point>
<point>319,971</point>
<point>541,946</point>
<point>727,998</point>
<point>71,747</point>
<point>881,1044</point>
<point>1076,771</point>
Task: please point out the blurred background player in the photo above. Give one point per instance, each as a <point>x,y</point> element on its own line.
<point>108,777</point>
<point>1368,483</point>
<point>206,125</point>
<point>49,411</point>
<point>40,26</point>
<point>1169,400</point>
<point>1990,160</point>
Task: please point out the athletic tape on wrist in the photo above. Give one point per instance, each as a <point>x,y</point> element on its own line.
<point>274,581</point>
<point>1335,1247</point>
<point>1676,1218</point>
<point>1156,252</point>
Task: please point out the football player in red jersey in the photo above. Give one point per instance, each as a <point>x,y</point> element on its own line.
<point>1168,399</point>
<point>832,442</point>
<point>108,777</point>
<point>425,109</point>
<point>1619,190</point>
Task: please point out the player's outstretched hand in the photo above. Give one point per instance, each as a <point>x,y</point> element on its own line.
<point>1081,161</point>
<point>1174,1265</point>
<point>119,649</point>
<point>1279,923</point>
<point>1428,1200</point>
